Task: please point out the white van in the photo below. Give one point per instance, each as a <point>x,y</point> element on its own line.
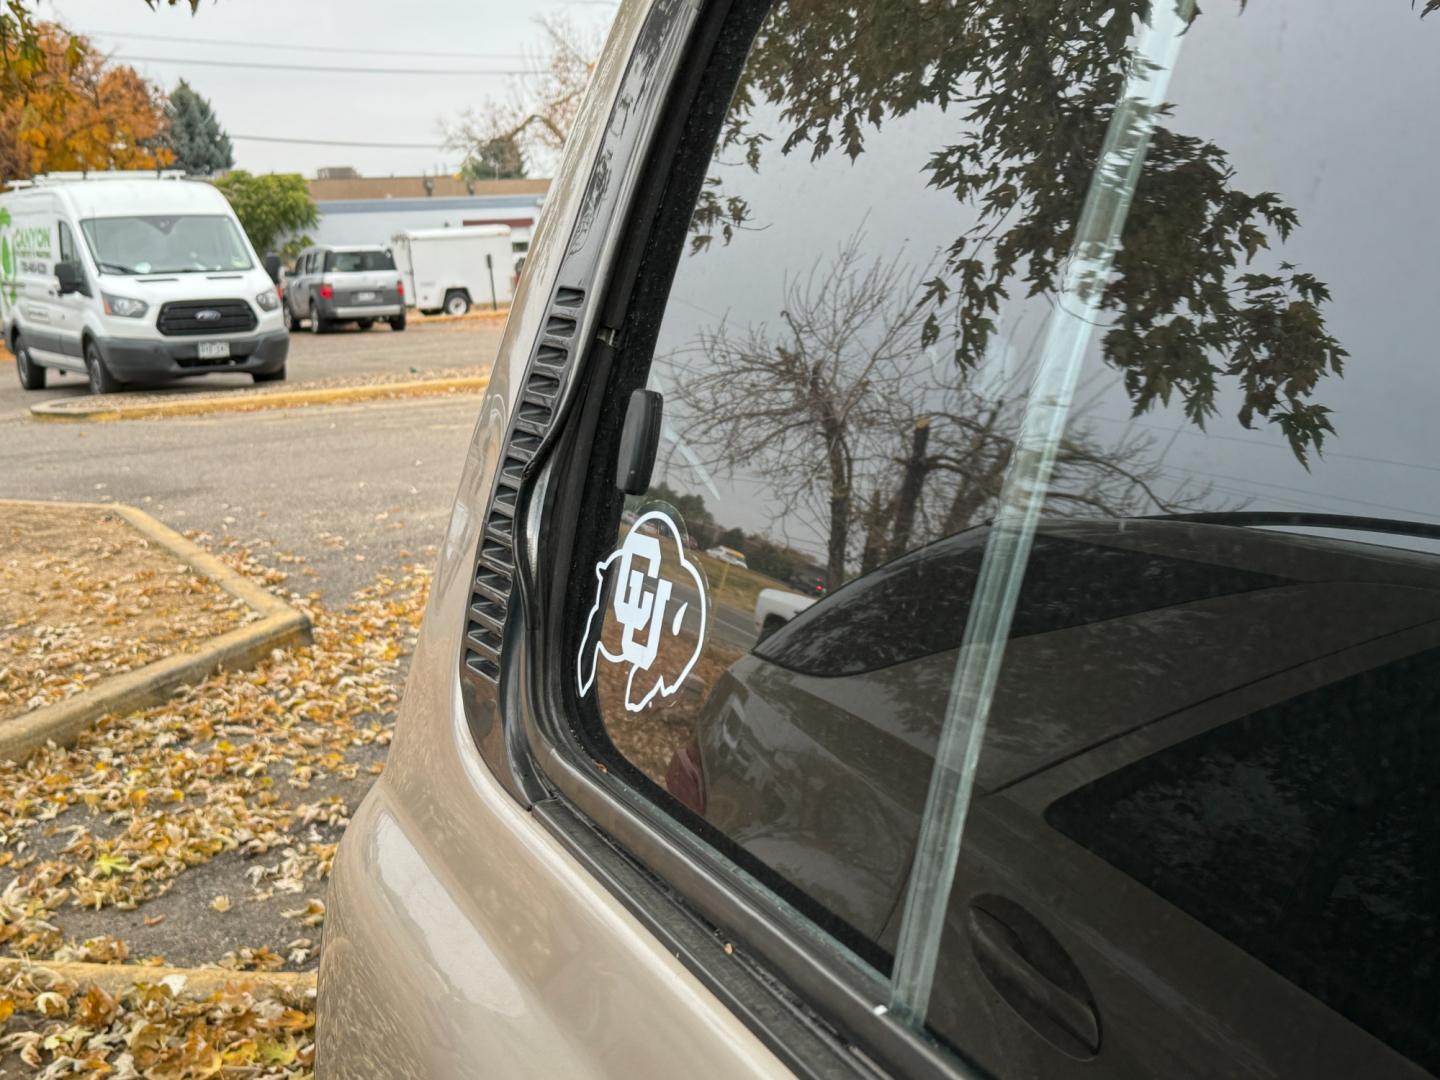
<point>132,277</point>
<point>453,270</point>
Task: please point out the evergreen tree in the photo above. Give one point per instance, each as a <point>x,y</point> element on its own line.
<point>200,144</point>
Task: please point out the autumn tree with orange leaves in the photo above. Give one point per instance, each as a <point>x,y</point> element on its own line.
<point>80,111</point>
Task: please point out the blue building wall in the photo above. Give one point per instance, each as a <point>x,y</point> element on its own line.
<point>375,221</point>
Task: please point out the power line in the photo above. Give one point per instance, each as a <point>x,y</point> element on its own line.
<point>184,60</point>
<point>302,48</point>
<point>339,142</point>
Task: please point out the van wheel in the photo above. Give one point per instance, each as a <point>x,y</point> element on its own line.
<point>292,323</point>
<point>101,381</point>
<point>32,375</point>
<point>457,302</point>
<point>397,323</point>
<point>317,324</point>
<point>365,324</point>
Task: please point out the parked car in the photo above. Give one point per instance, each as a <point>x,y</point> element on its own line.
<point>728,555</point>
<point>775,607</point>
<point>1152,781</point>
<point>127,277</point>
<point>453,270</point>
<point>1110,749</point>
<point>332,285</point>
<point>812,584</point>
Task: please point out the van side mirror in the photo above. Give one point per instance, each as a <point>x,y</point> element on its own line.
<point>272,267</point>
<point>71,278</point>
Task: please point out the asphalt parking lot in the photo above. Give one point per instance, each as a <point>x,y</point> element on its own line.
<point>338,497</point>
<point>423,345</point>
<point>350,488</point>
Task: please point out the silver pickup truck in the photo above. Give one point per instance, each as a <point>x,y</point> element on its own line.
<point>331,285</point>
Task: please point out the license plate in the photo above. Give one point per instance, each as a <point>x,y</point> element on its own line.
<point>214,350</point>
<point>364,297</point>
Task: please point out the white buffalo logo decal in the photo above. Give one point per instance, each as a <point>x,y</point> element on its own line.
<point>647,609</point>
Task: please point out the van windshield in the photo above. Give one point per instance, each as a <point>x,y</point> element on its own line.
<point>166,244</point>
<point>348,262</point>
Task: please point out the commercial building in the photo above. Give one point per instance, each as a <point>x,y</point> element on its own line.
<point>372,209</point>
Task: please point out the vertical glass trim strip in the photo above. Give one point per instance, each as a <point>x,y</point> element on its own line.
<point>1071,325</point>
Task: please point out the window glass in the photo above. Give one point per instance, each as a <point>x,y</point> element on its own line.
<point>1203,831</point>
<point>345,262</point>
<point>166,244</point>
<point>1300,833</point>
<point>67,244</point>
<point>1234,792</point>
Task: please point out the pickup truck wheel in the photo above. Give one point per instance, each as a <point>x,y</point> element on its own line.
<point>32,375</point>
<point>457,302</point>
<point>317,324</point>
<point>292,323</point>
<point>101,381</point>
<point>397,323</point>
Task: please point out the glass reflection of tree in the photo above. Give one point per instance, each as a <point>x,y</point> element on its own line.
<point>841,409</point>
<point>1038,83</point>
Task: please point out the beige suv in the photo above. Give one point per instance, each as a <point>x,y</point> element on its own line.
<point>1086,355</point>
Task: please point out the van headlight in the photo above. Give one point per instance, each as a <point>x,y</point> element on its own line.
<point>267,300</point>
<point>124,306</point>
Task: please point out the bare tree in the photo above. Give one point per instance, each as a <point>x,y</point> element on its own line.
<point>802,410</point>
<point>540,108</point>
<point>844,412</point>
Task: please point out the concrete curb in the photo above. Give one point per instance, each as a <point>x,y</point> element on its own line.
<point>279,625</point>
<point>198,982</point>
<point>113,407</point>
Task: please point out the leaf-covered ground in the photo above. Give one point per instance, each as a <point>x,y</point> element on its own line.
<point>54,1027</point>
<point>232,795</point>
<point>84,596</point>
<point>198,832</point>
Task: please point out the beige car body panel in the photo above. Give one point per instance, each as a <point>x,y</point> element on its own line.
<point>461,939</point>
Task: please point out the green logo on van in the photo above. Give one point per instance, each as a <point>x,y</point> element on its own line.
<point>21,249</point>
<point>7,258</point>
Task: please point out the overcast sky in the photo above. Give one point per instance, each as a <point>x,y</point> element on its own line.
<point>354,104</point>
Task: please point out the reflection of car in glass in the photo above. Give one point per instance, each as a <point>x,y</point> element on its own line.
<point>775,607</point>
<point>728,555</point>
<point>1273,680</point>
<point>811,584</point>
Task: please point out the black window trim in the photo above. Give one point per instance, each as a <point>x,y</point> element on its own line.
<point>839,1023</point>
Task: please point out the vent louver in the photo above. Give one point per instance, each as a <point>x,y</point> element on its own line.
<point>534,413</point>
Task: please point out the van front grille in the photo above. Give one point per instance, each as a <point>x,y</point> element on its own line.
<point>195,317</point>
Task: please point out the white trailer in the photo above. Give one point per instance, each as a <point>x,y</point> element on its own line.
<point>453,270</point>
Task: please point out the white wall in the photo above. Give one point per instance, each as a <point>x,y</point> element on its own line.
<point>375,221</point>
